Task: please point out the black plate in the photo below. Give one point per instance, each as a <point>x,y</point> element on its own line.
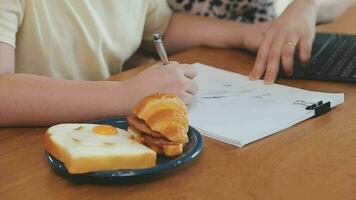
<point>190,152</point>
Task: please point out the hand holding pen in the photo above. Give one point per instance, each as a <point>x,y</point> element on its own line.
<point>166,77</point>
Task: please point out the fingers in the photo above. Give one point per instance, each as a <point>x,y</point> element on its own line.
<point>173,78</point>
<point>274,57</point>
<point>189,71</point>
<point>261,60</point>
<point>186,72</point>
<point>187,98</point>
<point>288,52</point>
<point>279,49</point>
<point>188,90</point>
<point>190,86</point>
<point>305,48</point>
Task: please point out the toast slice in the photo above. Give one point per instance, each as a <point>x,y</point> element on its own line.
<point>82,150</point>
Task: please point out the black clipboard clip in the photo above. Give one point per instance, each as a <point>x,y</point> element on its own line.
<point>320,108</point>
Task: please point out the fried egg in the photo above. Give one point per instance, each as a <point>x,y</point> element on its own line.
<point>94,134</point>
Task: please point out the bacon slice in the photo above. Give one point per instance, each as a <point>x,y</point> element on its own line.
<point>140,125</point>
<point>148,136</point>
<point>157,142</point>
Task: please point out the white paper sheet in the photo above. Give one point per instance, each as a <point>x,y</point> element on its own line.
<point>232,109</point>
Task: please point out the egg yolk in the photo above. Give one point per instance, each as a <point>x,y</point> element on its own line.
<point>105,130</point>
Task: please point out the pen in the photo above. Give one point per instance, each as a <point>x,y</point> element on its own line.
<point>160,48</point>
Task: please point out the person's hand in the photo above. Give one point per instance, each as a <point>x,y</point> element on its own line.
<point>253,35</point>
<point>294,29</point>
<point>173,78</point>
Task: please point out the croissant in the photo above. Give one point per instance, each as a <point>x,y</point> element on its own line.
<point>161,122</point>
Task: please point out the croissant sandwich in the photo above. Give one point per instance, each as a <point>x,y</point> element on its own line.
<point>160,122</point>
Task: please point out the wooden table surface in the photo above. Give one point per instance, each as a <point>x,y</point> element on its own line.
<point>312,160</point>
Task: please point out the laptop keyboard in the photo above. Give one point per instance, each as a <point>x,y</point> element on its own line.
<point>336,61</point>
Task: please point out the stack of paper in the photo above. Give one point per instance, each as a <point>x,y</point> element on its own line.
<point>232,109</point>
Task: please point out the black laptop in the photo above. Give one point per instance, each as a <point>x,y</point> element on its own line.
<point>333,59</point>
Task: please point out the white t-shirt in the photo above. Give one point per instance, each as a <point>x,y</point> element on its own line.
<point>78,39</point>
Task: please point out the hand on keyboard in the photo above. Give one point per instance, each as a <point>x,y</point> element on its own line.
<point>295,28</point>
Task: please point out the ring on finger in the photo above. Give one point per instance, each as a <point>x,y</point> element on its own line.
<point>291,43</point>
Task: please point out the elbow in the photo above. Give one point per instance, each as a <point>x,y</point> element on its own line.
<point>6,72</point>
<point>328,15</point>
<point>331,10</point>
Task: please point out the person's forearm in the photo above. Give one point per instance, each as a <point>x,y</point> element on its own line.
<point>329,10</point>
<point>187,31</point>
<point>31,100</point>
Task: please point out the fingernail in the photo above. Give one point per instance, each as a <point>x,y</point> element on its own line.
<point>254,78</point>
<point>268,81</point>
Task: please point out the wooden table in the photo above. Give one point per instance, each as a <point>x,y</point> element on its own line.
<point>312,160</point>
